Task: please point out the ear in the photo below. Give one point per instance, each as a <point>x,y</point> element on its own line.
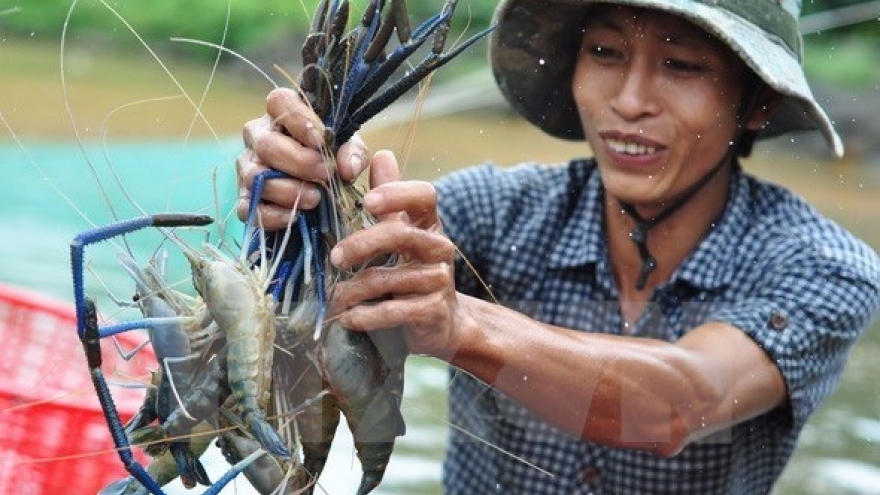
<point>767,103</point>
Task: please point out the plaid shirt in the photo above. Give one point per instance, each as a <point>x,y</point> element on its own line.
<point>798,284</point>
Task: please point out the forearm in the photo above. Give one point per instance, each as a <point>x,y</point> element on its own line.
<point>620,391</point>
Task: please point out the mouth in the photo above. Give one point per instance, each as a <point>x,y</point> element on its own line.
<point>631,148</point>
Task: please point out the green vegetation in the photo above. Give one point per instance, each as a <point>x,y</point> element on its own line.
<point>848,62</point>
<point>252,26</point>
<point>272,27</point>
<point>251,23</point>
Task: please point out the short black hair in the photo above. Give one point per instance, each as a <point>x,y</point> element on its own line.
<point>753,86</point>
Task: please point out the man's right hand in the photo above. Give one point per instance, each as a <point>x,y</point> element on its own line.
<point>289,138</point>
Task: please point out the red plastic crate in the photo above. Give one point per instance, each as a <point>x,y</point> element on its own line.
<point>48,406</point>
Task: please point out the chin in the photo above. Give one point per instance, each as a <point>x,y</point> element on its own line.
<point>629,188</point>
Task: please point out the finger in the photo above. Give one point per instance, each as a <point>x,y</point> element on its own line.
<point>391,237</point>
<point>290,156</point>
<point>272,217</point>
<point>398,281</point>
<point>286,193</point>
<point>383,168</point>
<point>352,158</point>
<point>253,129</point>
<point>290,113</point>
<point>418,199</point>
<point>415,312</point>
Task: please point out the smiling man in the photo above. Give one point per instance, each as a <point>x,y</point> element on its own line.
<point>668,322</point>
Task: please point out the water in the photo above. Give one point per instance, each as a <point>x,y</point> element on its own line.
<point>839,451</point>
<point>51,196</point>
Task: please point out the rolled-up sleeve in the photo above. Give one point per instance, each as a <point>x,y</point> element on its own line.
<point>811,305</point>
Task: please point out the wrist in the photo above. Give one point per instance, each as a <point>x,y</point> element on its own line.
<point>473,347</point>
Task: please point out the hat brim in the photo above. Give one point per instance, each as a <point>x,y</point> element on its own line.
<point>534,49</point>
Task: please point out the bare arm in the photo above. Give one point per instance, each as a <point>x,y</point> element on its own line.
<point>621,391</point>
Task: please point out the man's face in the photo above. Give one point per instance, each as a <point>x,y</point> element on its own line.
<point>658,98</point>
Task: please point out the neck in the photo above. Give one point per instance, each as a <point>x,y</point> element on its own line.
<point>671,239</point>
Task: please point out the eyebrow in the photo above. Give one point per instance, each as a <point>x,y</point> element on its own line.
<point>688,40</point>
<point>601,21</point>
<point>693,39</point>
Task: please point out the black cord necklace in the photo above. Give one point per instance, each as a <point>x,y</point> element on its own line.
<point>639,233</point>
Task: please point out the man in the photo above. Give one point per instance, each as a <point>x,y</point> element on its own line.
<point>667,322</point>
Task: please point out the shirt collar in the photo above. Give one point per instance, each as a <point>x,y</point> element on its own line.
<point>581,241</point>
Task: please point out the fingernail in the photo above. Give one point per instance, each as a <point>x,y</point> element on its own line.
<point>356,164</point>
<point>337,256</point>
<point>315,135</point>
<point>311,197</point>
<point>372,199</point>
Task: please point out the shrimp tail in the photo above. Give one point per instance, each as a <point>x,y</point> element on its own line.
<point>265,434</point>
<point>188,465</point>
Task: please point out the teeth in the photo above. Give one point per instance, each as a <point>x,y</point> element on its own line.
<point>630,148</point>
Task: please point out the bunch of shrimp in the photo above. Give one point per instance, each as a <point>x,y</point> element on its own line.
<point>252,360</point>
<point>343,76</point>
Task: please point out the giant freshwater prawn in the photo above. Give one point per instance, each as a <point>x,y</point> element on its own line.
<point>265,252</point>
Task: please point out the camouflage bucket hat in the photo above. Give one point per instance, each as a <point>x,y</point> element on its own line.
<point>535,46</point>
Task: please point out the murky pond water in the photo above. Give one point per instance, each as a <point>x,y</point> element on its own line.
<point>48,184</point>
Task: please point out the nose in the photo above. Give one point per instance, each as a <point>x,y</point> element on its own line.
<point>636,97</point>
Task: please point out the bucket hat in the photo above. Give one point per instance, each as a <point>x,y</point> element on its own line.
<point>535,46</point>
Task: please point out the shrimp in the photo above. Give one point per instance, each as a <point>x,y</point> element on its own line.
<point>238,301</point>
<point>177,344</point>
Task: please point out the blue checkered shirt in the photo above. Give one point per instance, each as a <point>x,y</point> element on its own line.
<point>798,284</point>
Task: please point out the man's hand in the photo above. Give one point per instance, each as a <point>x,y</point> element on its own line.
<point>418,293</point>
<point>289,138</point>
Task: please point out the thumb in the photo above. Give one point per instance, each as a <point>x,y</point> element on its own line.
<point>383,169</point>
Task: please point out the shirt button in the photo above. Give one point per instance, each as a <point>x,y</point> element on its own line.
<point>590,474</point>
<point>778,321</point>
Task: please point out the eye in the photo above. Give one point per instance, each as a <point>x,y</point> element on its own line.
<point>604,52</point>
<point>680,65</point>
